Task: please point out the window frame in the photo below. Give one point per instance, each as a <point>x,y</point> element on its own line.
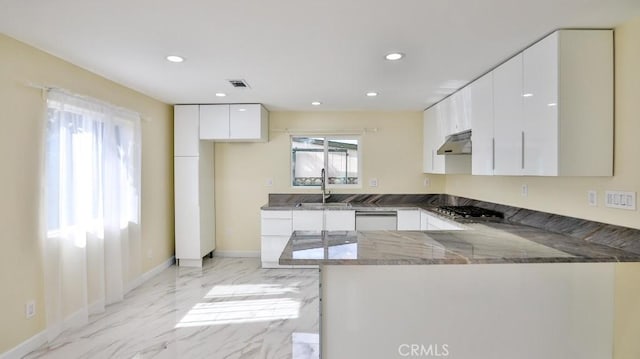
<point>327,138</point>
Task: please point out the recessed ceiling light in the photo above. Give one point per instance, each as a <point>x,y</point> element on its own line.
<point>175,58</point>
<point>527,95</point>
<point>221,94</point>
<point>553,104</point>
<point>372,94</point>
<point>394,56</point>
<point>316,103</point>
<point>242,109</point>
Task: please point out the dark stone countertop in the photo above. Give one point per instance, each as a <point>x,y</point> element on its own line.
<point>352,207</point>
<point>480,243</point>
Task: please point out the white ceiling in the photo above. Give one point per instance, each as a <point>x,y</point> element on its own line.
<point>293,52</point>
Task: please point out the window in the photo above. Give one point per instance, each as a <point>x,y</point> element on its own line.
<point>92,160</point>
<point>339,156</point>
<point>92,204</point>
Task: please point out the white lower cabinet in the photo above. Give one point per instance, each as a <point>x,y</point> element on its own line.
<point>276,229</point>
<point>340,220</point>
<point>430,222</point>
<point>409,220</point>
<point>308,220</point>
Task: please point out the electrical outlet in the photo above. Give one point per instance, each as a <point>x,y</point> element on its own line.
<point>30,309</point>
<point>150,254</point>
<point>525,190</point>
<point>268,182</point>
<point>373,182</point>
<point>620,199</point>
<point>427,182</point>
<point>592,198</point>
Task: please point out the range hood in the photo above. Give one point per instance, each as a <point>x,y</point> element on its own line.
<point>457,144</point>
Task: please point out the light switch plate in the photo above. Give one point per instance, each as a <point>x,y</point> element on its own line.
<point>30,309</point>
<point>620,200</point>
<point>592,198</point>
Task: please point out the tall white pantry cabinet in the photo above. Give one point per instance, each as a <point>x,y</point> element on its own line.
<point>193,188</point>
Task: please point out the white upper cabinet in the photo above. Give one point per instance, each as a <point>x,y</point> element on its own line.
<point>435,132</point>
<point>547,111</point>
<point>248,122</point>
<point>540,105</point>
<point>568,104</point>
<point>185,130</point>
<point>481,115</point>
<point>432,163</point>
<point>236,122</point>
<point>507,117</point>
<point>214,122</point>
<point>459,111</point>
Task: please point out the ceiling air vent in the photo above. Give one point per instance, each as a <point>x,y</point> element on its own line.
<point>239,84</point>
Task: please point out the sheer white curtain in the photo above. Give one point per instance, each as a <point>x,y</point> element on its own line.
<point>91,205</point>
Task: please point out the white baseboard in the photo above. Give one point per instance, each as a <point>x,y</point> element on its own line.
<point>150,274</point>
<point>26,346</point>
<point>96,307</point>
<point>79,318</point>
<point>237,254</point>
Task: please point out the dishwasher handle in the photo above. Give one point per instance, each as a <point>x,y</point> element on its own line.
<point>376,213</point>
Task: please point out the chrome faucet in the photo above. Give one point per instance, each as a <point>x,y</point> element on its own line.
<point>323,187</point>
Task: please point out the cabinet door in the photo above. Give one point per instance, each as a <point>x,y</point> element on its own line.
<point>424,220</point>
<point>206,191</point>
<point>433,139</point>
<point>187,208</point>
<point>214,122</point>
<point>245,122</point>
<point>507,120</point>
<point>481,114</point>
<point>308,220</point>
<point>429,134</point>
<point>457,112</point>
<point>275,223</point>
<point>440,133</point>
<point>465,109</point>
<point>409,220</point>
<point>340,220</point>
<point>185,130</point>
<point>271,250</point>
<point>540,107</point>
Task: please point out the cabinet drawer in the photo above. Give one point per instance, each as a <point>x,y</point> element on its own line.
<point>276,214</point>
<point>276,226</point>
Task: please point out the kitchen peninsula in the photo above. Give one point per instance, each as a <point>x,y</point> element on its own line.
<point>499,288</point>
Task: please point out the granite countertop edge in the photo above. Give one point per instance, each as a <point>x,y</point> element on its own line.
<point>353,207</point>
<point>307,262</point>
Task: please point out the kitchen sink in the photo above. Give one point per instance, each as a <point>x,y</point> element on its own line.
<point>323,205</point>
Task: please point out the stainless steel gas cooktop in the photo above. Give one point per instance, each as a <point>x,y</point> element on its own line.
<point>468,212</point>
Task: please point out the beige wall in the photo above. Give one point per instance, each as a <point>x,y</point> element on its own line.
<point>568,195</point>
<point>21,118</point>
<point>393,155</point>
<point>627,311</point>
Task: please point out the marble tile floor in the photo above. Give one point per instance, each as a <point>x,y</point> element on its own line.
<point>230,308</point>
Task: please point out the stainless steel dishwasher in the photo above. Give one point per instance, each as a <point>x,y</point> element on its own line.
<point>376,220</point>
